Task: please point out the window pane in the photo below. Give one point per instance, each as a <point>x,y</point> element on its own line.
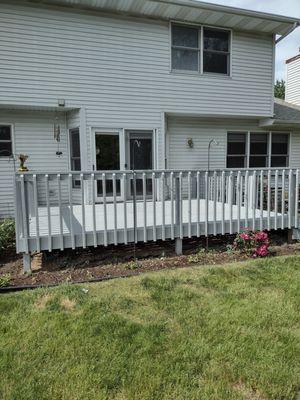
<point>75,145</point>
<point>279,144</point>
<point>236,143</point>
<point>184,36</point>
<point>236,162</point>
<point>279,161</point>
<point>5,133</point>
<point>260,162</point>
<point>217,63</point>
<point>258,144</point>
<point>185,59</point>
<point>5,149</point>
<point>216,40</point>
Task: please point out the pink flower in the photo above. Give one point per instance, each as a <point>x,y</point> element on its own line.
<point>245,236</point>
<point>261,237</point>
<point>262,251</point>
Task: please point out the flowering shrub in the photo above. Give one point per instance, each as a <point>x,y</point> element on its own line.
<point>255,244</point>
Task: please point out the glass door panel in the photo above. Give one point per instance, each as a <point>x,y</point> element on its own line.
<point>141,158</point>
<point>107,159</point>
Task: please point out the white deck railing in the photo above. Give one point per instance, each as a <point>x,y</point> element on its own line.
<point>112,207</point>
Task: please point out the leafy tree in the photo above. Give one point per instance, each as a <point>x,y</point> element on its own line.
<point>279,89</point>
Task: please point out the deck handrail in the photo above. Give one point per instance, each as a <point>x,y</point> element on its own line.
<point>82,208</point>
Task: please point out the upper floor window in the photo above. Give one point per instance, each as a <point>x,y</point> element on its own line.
<point>5,141</point>
<point>216,55</point>
<point>187,50</point>
<point>257,150</point>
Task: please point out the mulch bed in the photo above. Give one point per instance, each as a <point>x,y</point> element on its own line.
<point>116,261</point>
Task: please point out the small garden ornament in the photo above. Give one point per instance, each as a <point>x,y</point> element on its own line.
<point>22,158</point>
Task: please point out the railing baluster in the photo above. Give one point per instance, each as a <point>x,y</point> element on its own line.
<point>180,207</point>
<point>238,189</point>
<point>61,232</point>
<point>269,200</point>
<point>48,212</point>
<point>215,202</point>
<point>230,202</point>
<point>189,206</point>
<point>154,205</point>
<point>24,214</point>
<point>125,208</point>
<point>71,211</point>
<point>94,210</point>
<point>36,213</point>
<point>115,208</point>
<point>296,198</point>
<point>104,208</point>
<point>276,199</point>
<point>290,199</point>
<point>163,216</point>
<point>172,205</point>
<point>206,202</point>
<point>145,206</point>
<point>282,198</point>
<point>253,200</point>
<point>223,202</point>
<point>261,199</point>
<point>198,204</point>
<point>83,230</point>
<point>246,198</point>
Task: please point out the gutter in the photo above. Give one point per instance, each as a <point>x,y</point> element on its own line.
<point>295,25</point>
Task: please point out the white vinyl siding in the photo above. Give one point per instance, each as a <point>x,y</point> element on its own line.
<point>292,94</point>
<point>33,135</point>
<point>119,68</point>
<point>201,131</point>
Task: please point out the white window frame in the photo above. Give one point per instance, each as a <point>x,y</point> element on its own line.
<point>228,53</point>
<point>3,156</point>
<point>200,49</point>
<point>269,138</point>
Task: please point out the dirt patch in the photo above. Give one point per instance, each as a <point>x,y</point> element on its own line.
<point>67,304</point>
<point>115,261</point>
<point>248,393</point>
<point>42,302</point>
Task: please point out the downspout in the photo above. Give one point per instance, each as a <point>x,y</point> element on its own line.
<point>295,25</point>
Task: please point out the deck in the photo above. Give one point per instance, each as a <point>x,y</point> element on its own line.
<point>181,204</point>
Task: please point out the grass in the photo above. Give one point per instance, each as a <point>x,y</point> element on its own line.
<point>230,332</point>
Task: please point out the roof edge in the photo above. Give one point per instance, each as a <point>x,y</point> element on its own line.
<point>185,3</point>
<point>289,60</point>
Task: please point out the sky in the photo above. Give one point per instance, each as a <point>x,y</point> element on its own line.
<point>288,47</point>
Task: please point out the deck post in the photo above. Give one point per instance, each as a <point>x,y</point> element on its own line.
<point>178,246</point>
<point>178,240</point>
<point>26,262</point>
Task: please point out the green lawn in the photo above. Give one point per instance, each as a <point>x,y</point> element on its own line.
<point>218,333</point>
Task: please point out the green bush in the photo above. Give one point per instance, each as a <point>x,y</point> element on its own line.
<point>5,280</point>
<point>7,234</point>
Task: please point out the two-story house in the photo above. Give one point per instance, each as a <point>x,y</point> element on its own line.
<point>98,85</point>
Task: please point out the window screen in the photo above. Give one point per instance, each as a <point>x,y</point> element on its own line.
<point>185,48</point>
<point>216,52</point>
<point>258,150</point>
<point>5,141</point>
<point>236,149</point>
<point>280,150</point>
